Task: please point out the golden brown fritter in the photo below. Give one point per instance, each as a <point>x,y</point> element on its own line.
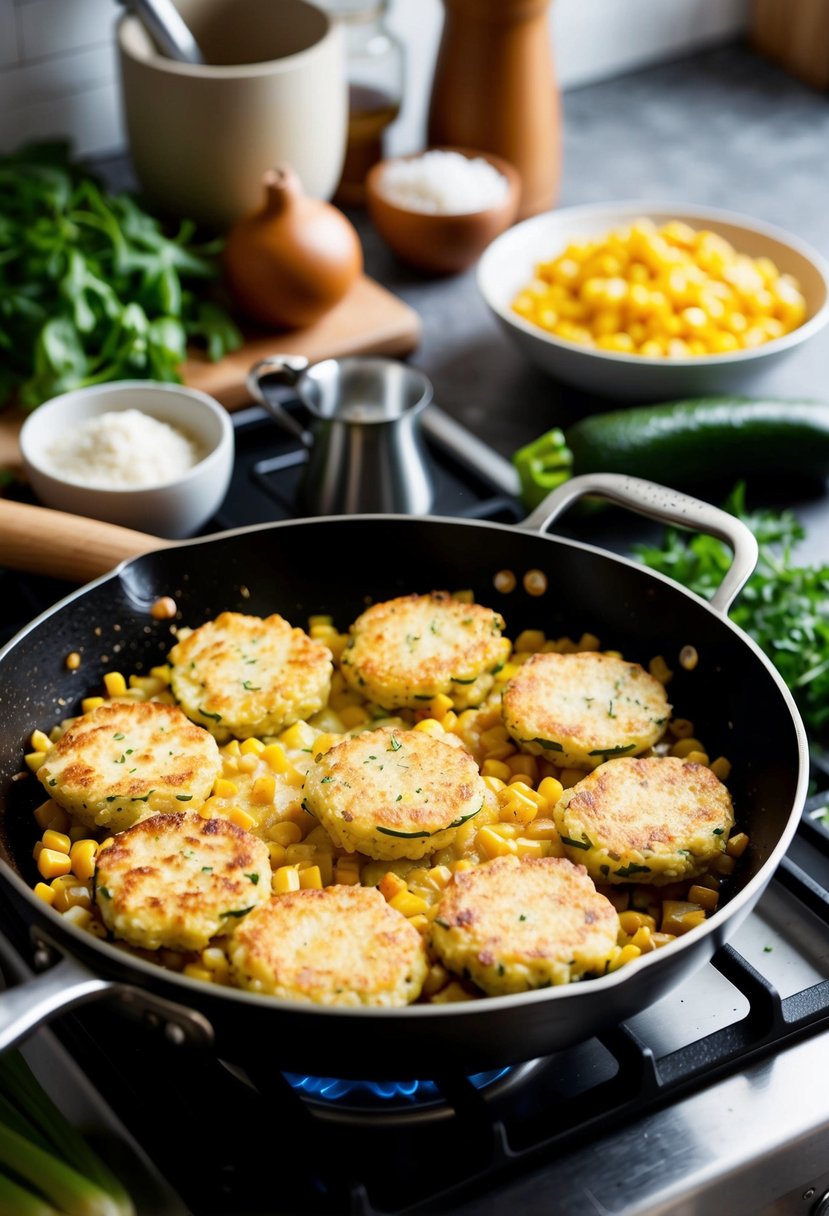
<point>405,651</point>
<point>129,759</point>
<point>341,945</point>
<point>655,819</point>
<point>579,709</point>
<point>393,793</point>
<point>513,924</point>
<point>176,881</point>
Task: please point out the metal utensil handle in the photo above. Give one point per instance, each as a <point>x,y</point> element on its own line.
<point>286,369</point>
<point>667,506</point>
<point>470,451</point>
<point>69,983</point>
<point>166,25</point>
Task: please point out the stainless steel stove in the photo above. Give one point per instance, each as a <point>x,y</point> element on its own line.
<point>715,1101</point>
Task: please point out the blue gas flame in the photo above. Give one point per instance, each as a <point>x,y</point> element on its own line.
<point>332,1089</point>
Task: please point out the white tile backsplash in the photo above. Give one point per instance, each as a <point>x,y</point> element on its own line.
<point>58,66</point>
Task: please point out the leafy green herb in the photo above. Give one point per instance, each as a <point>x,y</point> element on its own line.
<point>237,912</point>
<point>783,607</point>
<point>548,744</point>
<point>248,687</point>
<point>183,797</point>
<point>205,713</point>
<point>633,868</point>
<point>612,751</point>
<point>92,289</point>
<point>577,844</point>
<point>404,835</point>
<point>254,878</point>
<point>105,892</point>
<point>394,744</point>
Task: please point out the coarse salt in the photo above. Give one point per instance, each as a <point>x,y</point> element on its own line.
<point>443,183</point>
<point>122,450</point>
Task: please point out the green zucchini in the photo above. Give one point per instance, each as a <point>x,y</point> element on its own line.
<point>680,443</point>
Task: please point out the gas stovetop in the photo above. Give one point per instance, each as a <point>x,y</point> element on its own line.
<point>712,1101</point>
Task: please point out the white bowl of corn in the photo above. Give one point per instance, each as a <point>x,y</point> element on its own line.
<point>649,300</point>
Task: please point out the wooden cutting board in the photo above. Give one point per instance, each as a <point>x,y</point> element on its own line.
<point>369,320</point>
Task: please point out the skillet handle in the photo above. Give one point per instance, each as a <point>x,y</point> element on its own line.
<point>72,547</point>
<point>35,1001</point>
<point>667,506</point>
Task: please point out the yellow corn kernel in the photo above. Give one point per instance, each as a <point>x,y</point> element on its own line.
<point>274,756</point>
<point>429,726</point>
<point>550,790</point>
<point>345,875</point>
<point>72,661</point>
<point>299,735</point>
<point>737,844</point>
<point>390,885</point>
<point>277,853</point>
<point>525,847</point>
<point>310,878</point>
<point>48,815</point>
<point>252,747</point>
<point>679,915</point>
<point>34,760</point>
<point>215,960</point>
<point>300,854</point>
<point>408,904</point>
<point>45,892</point>
<point>285,879</point>
<point>682,728</point>
<point>115,684</point>
<point>58,841</point>
<point>82,856</point>
<point>494,783</point>
<point>208,810</point>
<point>353,716</point>
<point>240,818</point>
<point>704,896</point>
<point>286,832</point>
<point>697,758</point>
<point>451,994</point>
<point>643,939</point>
<point>630,921</point>
<point>195,971</point>
<point>37,849</point>
<point>79,916</point>
<point>323,743</point>
<point>78,895</point>
<point>496,768</point>
<point>263,790</point>
<point>660,670</point>
<point>51,863</point>
<point>721,768</point>
<point>40,742</point>
<point>222,788</point>
<point>625,955</point>
<point>89,703</point>
<point>492,844</point>
<point>449,720</point>
<point>529,641</point>
<point>683,747</point>
<point>293,777</point>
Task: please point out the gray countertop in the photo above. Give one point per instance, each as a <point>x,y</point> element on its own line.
<point>723,128</point>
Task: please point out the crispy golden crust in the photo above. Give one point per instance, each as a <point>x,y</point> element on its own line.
<point>340,945</point>
<point>405,651</point>
<point>656,819</point>
<point>129,759</point>
<point>514,924</point>
<point>246,675</point>
<point>393,793</point>
<point>578,709</point>
<point>176,881</point>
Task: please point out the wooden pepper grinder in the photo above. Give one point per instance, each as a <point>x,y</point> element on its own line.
<point>494,88</point>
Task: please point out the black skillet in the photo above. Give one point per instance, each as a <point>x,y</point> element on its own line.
<point>337,565</point>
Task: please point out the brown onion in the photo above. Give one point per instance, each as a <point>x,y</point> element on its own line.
<point>292,260</point>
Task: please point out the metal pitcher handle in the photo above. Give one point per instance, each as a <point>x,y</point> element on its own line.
<point>667,506</point>
<point>286,369</point>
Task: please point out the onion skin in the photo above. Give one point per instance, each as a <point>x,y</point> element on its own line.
<point>291,261</point>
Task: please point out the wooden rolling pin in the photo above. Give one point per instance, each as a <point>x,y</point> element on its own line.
<point>41,541</point>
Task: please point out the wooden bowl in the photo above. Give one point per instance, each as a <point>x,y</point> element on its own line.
<point>440,242</point>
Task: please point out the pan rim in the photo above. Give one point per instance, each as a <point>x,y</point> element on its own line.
<point>749,894</point>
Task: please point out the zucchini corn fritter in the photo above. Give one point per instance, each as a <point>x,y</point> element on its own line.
<point>416,810</point>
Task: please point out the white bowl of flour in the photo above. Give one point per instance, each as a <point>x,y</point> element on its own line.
<point>146,455</point>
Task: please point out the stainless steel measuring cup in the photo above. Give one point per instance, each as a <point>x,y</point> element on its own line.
<point>361,429</point>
